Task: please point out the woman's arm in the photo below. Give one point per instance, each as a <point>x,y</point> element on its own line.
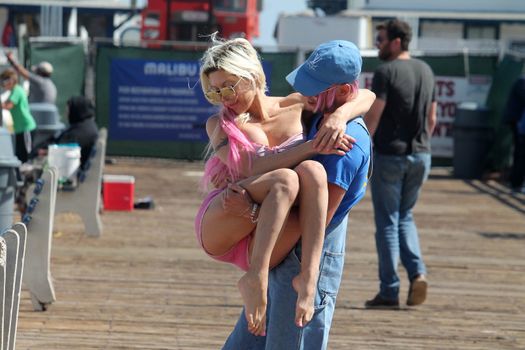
<point>218,138</point>
<point>334,125</point>
<point>7,105</point>
<point>260,165</point>
<point>293,156</point>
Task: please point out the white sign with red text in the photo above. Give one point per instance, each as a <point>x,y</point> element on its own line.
<point>450,92</point>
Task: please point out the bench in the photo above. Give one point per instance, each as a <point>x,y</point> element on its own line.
<point>85,199</point>
<point>39,220</point>
<point>12,254</point>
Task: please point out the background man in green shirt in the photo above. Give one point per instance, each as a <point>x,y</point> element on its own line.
<point>17,104</point>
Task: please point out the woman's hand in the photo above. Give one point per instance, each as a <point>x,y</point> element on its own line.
<point>236,200</point>
<point>331,131</point>
<point>343,145</point>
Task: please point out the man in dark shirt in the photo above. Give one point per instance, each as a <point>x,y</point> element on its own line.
<point>401,121</point>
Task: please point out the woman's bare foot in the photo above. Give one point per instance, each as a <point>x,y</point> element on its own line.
<point>253,288</point>
<point>304,308</point>
<point>261,329</point>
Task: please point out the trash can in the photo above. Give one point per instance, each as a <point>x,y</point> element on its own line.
<point>8,165</point>
<point>473,137</point>
<point>48,124</point>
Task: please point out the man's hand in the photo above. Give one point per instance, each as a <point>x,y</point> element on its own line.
<point>236,200</point>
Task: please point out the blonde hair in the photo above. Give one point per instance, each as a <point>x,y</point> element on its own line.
<point>9,74</point>
<point>235,56</point>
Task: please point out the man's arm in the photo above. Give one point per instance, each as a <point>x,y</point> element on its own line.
<point>432,118</point>
<point>335,196</point>
<point>17,66</point>
<point>373,116</point>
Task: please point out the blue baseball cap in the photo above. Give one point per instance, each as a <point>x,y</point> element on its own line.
<point>334,62</point>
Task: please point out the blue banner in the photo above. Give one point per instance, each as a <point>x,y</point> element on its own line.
<point>158,100</point>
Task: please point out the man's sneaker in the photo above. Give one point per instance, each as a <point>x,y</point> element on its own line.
<point>418,291</point>
<point>380,303</point>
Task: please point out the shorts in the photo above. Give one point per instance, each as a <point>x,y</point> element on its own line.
<point>238,255</point>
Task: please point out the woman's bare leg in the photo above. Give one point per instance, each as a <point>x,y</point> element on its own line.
<point>221,229</point>
<point>313,206</point>
<point>276,191</point>
<point>272,217</point>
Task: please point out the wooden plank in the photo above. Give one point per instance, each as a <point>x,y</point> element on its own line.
<point>145,283</point>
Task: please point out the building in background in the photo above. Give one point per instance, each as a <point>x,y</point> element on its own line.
<point>438,24</point>
<point>60,18</point>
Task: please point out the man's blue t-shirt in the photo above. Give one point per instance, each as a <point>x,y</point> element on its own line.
<point>350,172</point>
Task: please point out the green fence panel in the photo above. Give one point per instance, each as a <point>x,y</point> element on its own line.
<point>282,64</point>
<point>69,65</point>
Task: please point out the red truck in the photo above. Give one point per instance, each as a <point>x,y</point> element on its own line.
<point>190,20</point>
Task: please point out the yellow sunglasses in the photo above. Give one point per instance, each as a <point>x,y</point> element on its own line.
<point>227,93</point>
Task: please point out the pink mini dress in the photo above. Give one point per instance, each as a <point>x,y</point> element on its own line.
<point>239,255</point>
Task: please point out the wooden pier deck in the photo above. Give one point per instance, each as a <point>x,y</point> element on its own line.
<point>145,284</point>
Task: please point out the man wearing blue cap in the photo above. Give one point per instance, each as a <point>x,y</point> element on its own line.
<point>329,78</point>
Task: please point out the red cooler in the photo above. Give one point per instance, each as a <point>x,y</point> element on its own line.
<point>118,192</point>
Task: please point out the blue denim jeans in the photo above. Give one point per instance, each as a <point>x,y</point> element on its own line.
<point>281,331</point>
<point>395,188</point>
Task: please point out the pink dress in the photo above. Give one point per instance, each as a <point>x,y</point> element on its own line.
<point>238,255</point>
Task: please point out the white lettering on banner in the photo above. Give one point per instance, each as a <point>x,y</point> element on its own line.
<point>183,69</point>
<point>140,125</point>
<point>161,109</point>
<point>155,90</point>
<point>167,108</point>
<point>158,100</point>
<point>150,117</point>
<point>450,92</point>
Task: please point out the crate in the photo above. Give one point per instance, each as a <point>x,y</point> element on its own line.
<point>118,192</point>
